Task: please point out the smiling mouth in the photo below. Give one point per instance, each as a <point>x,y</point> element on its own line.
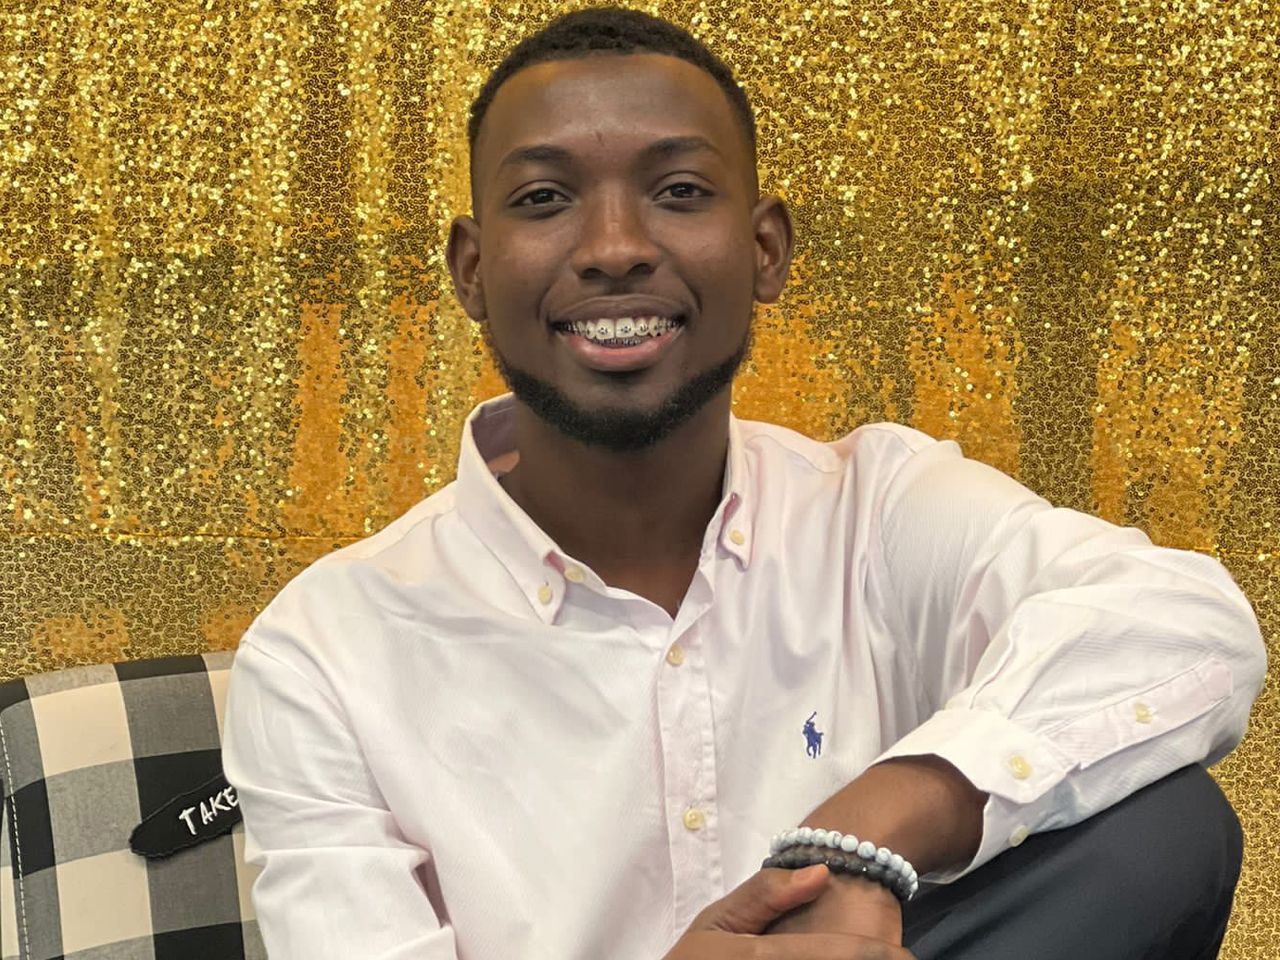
<point>621,332</point>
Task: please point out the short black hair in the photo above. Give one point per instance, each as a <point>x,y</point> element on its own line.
<point>609,29</point>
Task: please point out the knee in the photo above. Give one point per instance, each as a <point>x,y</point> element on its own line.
<point>1184,841</point>
<point>1150,878</point>
<point>1201,832</point>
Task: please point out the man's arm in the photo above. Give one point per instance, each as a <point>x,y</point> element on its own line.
<point>729,929</point>
<point>920,807</point>
<point>338,879</point>
<point>1068,662</point>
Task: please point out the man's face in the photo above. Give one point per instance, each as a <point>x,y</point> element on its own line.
<point>603,226</point>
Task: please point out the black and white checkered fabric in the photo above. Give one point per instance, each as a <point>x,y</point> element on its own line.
<point>85,754</point>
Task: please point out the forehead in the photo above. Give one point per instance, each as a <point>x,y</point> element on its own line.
<point>607,104</point>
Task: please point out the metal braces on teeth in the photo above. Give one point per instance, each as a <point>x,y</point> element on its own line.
<point>623,328</point>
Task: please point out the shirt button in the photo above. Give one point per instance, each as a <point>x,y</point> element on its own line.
<point>675,655</point>
<point>1142,713</point>
<point>574,574</point>
<point>1019,766</point>
<point>738,537</point>
<point>545,594</point>
<point>694,819</point>
<point>1018,836</point>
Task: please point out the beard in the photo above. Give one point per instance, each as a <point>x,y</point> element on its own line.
<point>618,429</point>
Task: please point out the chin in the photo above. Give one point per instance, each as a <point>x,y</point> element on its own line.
<point>621,411</point>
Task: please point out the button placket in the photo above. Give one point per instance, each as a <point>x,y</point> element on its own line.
<point>685,725</point>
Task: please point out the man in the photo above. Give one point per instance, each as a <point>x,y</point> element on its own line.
<point>560,708</point>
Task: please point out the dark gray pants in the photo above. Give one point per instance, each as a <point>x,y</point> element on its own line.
<point>1150,878</point>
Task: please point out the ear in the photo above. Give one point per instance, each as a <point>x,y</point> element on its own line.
<point>463,256</point>
<point>771,222</point>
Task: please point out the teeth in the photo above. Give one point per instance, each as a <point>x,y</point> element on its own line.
<point>622,328</point>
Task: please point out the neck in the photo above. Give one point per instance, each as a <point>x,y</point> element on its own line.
<point>622,512</point>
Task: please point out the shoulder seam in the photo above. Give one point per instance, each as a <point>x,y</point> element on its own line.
<point>336,556</point>
<point>247,641</point>
<point>898,432</point>
<point>799,454</point>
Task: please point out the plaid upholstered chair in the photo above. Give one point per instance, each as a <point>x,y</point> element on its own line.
<point>86,756</point>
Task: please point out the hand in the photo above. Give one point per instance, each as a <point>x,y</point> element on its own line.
<point>730,928</point>
<point>847,905</point>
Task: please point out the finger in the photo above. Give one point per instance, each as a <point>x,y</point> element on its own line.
<point>756,903</point>
<point>825,946</point>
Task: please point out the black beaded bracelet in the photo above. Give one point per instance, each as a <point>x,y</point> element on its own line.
<point>796,858</point>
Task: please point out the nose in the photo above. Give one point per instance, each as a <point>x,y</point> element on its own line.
<point>615,240</point>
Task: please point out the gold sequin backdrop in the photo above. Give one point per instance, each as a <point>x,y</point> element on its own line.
<point>229,343</point>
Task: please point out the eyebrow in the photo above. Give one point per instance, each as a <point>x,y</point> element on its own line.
<point>662,149</point>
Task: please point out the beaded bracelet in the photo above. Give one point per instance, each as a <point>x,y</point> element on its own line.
<point>844,853</point>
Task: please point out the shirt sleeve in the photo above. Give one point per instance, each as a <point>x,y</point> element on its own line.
<point>338,879</point>
<point>1065,662</point>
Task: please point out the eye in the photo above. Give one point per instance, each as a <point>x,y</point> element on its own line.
<point>685,185</point>
<point>535,193</point>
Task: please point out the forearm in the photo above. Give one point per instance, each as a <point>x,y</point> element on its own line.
<point>920,807</point>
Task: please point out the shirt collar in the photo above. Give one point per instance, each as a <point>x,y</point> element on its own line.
<point>538,565</point>
<point>736,513</point>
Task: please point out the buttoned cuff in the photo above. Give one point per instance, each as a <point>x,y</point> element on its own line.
<point>1014,766</point>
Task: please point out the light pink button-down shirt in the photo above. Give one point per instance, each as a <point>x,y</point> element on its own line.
<point>453,740</point>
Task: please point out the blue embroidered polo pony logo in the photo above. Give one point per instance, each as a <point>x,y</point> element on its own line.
<point>813,736</point>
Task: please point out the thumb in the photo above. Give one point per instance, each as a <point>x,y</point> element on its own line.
<point>762,899</point>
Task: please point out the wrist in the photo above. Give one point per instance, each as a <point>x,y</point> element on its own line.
<point>866,892</point>
<point>848,905</point>
<point>846,855</point>
<point>922,808</point>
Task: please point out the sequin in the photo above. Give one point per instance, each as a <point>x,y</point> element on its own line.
<point>230,343</point>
